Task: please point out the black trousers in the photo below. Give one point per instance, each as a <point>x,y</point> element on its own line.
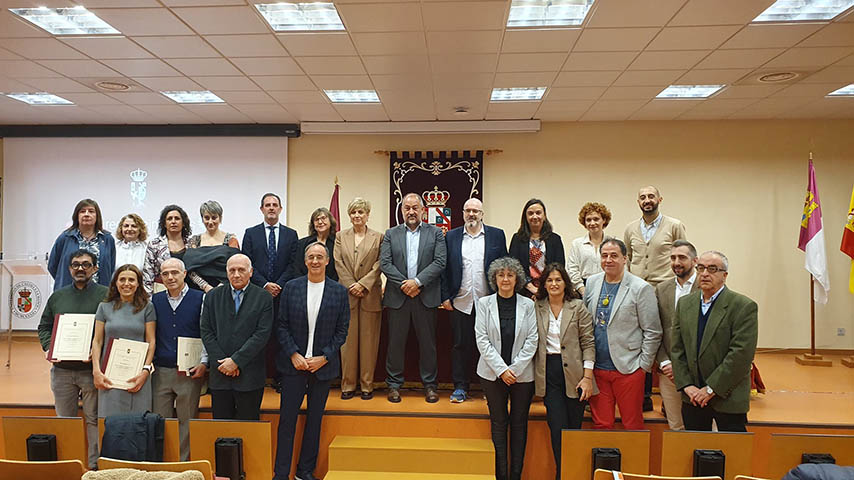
<point>700,419</point>
<point>520,395</point>
<point>462,328</point>
<point>294,388</point>
<point>424,320</point>
<point>234,405</point>
<point>562,412</point>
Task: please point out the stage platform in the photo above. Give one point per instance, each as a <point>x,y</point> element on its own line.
<point>799,399</point>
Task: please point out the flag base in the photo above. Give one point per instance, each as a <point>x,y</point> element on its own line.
<point>848,361</point>
<point>811,360</point>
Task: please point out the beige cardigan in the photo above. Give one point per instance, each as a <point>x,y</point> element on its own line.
<point>651,261</point>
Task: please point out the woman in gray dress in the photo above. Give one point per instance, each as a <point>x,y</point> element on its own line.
<point>125,313</point>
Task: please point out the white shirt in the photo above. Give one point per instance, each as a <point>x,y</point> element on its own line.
<point>473,284</point>
<point>174,302</point>
<point>682,290</point>
<point>648,230</point>
<point>132,253</point>
<point>583,261</point>
<point>553,337</point>
<point>314,297</point>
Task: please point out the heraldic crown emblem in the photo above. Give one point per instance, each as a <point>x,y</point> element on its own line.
<point>138,175</point>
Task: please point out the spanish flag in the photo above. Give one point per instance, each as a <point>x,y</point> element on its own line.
<point>847,246</point>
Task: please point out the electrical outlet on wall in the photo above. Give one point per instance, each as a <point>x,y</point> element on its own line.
<point>840,332</point>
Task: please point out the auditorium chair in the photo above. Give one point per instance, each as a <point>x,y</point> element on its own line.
<point>600,474</point>
<point>20,470</point>
<point>203,466</point>
<point>745,477</point>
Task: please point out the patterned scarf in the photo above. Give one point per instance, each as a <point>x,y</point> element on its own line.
<point>536,261</point>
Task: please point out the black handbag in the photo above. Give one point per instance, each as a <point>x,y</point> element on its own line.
<point>228,456</point>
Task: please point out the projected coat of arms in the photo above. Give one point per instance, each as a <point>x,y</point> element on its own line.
<point>443,180</point>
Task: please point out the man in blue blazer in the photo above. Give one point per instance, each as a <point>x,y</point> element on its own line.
<point>312,326</point>
<point>272,248</point>
<point>471,248</point>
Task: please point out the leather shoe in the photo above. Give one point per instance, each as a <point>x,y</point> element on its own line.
<point>647,404</point>
<point>347,395</point>
<point>305,476</point>
<point>367,395</point>
<point>393,395</point>
<point>430,395</point>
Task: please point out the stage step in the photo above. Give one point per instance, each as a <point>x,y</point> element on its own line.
<point>351,475</point>
<point>416,455</point>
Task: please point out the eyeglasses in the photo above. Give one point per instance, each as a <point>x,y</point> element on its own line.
<point>83,266</point>
<point>713,269</point>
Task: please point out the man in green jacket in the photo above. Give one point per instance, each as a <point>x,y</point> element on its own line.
<point>714,340</point>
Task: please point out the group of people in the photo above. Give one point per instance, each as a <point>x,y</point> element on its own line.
<point>587,327</point>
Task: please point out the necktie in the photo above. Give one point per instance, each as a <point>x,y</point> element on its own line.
<point>271,253</point>
<point>237,295</point>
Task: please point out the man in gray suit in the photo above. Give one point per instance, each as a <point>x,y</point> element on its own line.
<point>683,259</point>
<point>627,333</point>
<point>412,257</point>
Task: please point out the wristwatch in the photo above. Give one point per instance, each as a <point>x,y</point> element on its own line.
<point>150,368</point>
<point>709,390</point>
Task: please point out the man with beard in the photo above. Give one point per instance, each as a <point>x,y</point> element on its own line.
<point>412,257</point>
<point>471,248</point>
<point>683,259</point>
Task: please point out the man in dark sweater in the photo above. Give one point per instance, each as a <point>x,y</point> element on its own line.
<point>71,379</point>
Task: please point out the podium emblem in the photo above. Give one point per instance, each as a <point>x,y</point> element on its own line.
<point>27,299</point>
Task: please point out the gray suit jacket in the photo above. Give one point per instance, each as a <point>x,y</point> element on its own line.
<point>665,292</point>
<point>634,329</point>
<point>487,336</point>
<point>431,263</point>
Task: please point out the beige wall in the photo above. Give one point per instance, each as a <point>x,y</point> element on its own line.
<point>738,186</point>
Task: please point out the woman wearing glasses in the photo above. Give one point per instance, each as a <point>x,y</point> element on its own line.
<point>87,233</point>
<point>321,228</point>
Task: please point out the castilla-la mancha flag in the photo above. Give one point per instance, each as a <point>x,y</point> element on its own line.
<point>848,241</point>
<point>811,240</point>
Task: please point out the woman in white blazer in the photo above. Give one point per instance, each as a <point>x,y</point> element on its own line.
<point>505,331</point>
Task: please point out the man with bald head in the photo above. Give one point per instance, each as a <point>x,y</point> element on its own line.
<point>236,322</point>
<point>471,248</point>
<point>179,310</point>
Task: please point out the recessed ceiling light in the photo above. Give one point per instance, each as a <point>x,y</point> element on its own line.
<point>777,77</point>
<point>352,96</point>
<point>112,86</point>
<point>548,13</point>
<point>287,17</point>
<point>847,91</point>
<point>803,10</point>
<point>525,94</point>
<point>66,20</point>
<point>689,91</point>
<point>201,96</point>
<point>41,98</point>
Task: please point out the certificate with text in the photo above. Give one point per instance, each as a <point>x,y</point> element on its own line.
<point>124,360</point>
<point>72,337</point>
<point>189,353</point>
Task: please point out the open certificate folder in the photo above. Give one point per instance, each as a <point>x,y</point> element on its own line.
<point>189,353</point>
<point>124,360</point>
<point>72,337</point>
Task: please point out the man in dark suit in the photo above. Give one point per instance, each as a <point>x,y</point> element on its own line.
<point>412,257</point>
<point>683,260</point>
<point>312,326</point>
<point>714,340</point>
<point>471,248</point>
<point>272,248</point>
<point>236,323</point>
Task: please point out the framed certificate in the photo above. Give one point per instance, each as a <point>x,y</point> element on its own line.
<point>189,353</point>
<point>72,337</point>
<point>124,360</point>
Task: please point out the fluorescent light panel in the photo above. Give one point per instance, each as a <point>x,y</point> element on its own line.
<point>352,96</point>
<point>689,91</point>
<point>66,20</point>
<point>201,96</point>
<point>525,94</point>
<point>288,17</point>
<point>846,91</point>
<point>40,98</point>
<point>548,13</point>
<point>803,10</point>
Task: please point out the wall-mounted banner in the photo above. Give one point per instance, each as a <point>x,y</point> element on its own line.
<point>444,180</point>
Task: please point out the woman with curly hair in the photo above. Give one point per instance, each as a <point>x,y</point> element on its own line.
<point>175,230</point>
<point>583,259</point>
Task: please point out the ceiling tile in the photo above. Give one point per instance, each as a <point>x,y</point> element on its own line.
<point>682,59</point>
<point>832,74</point>
<point>475,101</point>
<point>142,68</point>
<point>107,47</point>
<point>574,93</point>
<point>247,45</point>
<point>386,64</point>
<point>7,55</point>
<point>201,3</point>
<point>218,113</point>
<point>392,17</point>
<point>90,99</point>
<point>847,61</point>
<point>637,13</point>
<point>586,79</point>
<point>402,81</point>
<point>161,84</point>
<point>41,49</point>
<point>171,114</point>
<point>771,35</point>
<point>692,38</point>
<point>713,76</point>
<point>193,67</point>
<point>177,47</point>
<point>813,90</point>
<point>656,78</point>
<point>14,27</point>
<point>664,109</point>
<point>142,21</point>
<point>450,81</point>
<point>316,44</point>
<point>343,82</point>
<point>511,110</point>
<point>530,62</point>
<point>9,85</point>
<point>716,108</point>
<point>833,35</point>
<point>223,20</point>
<point>559,115</point>
<point>739,58</point>
<point>484,41</point>
<point>77,68</point>
<point>770,107</point>
<point>463,15</point>
<point>580,106</point>
<point>122,113</point>
<point>738,92</point>
<point>630,93</point>
<point>331,65</point>
<point>403,106</point>
<point>57,85</point>
<point>529,41</point>
<point>819,108</point>
<point>809,57</point>
<point>141,98</point>
<point>362,113</point>
<point>614,39</point>
<point>538,79</point>
<point>599,61</point>
<point>245,97</point>
<point>604,110</point>
<point>314,112</point>
<point>463,63</point>
<point>273,113</point>
<point>284,82</point>
<point>267,66</point>
<point>237,84</point>
<point>393,43</point>
<point>719,12</point>
<point>299,97</point>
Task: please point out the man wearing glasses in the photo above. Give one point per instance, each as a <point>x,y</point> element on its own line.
<point>71,379</point>
<point>714,338</point>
